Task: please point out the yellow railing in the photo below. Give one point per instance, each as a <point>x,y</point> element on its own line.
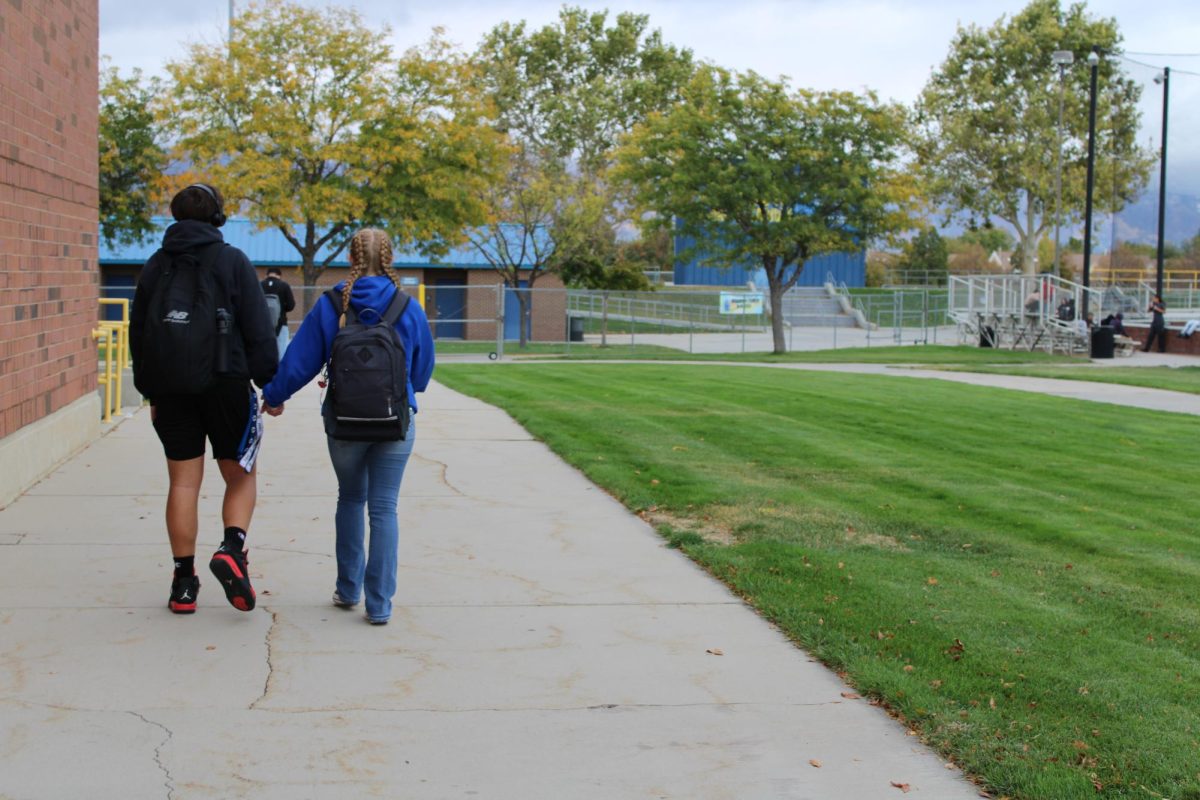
<point>1132,275</point>
<point>113,336</point>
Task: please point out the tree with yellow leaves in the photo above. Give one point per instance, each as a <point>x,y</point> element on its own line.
<point>309,124</point>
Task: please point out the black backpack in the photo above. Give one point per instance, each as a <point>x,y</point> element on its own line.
<point>368,376</point>
<point>185,344</point>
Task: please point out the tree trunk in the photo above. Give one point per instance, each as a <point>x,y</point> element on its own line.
<point>311,273</point>
<point>604,320</point>
<point>775,285</point>
<point>523,303</point>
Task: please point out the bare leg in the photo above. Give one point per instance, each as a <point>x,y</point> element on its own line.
<point>182,498</point>
<point>241,493</point>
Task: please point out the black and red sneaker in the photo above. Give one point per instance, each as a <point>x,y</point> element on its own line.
<point>230,568</point>
<point>183,595</point>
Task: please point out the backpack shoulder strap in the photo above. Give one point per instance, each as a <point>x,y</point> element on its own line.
<point>335,297</point>
<point>396,307</point>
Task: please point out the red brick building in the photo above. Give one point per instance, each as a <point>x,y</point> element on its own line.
<point>48,226</point>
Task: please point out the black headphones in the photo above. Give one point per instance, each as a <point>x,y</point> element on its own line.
<point>217,219</point>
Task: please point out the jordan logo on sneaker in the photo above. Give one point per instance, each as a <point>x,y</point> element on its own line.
<point>185,596</point>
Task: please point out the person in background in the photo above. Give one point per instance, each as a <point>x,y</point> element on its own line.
<point>1158,325</point>
<point>276,286</point>
<point>1116,322</point>
<point>368,472</point>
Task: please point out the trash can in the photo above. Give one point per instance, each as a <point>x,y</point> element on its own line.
<point>1103,342</point>
<point>575,328</point>
<point>987,337</point>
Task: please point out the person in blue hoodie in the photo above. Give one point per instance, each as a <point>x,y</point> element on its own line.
<point>368,473</point>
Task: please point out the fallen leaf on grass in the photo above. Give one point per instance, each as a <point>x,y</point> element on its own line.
<point>815,763</point>
<point>956,650</point>
<point>716,651</point>
<point>932,581</point>
<point>904,787</point>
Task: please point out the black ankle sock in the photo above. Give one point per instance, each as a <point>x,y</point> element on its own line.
<point>235,539</point>
<point>185,566</point>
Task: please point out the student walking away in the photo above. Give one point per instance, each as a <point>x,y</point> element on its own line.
<point>279,302</point>
<point>199,333</point>
<point>1158,325</point>
<point>367,319</point>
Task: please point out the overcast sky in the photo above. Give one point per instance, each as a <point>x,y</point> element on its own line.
<point>886,45</point>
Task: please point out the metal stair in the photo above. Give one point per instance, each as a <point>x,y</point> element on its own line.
<point>811,307</point>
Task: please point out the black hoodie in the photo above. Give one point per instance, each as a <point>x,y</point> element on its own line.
<point>253,354</point>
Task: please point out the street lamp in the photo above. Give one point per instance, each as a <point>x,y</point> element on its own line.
<point>1093,60</point>
<point>1064,59</point>
<point>1165,80</point>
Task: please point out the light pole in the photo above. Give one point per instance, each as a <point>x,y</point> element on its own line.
<point>1063,58</point>
<point>1093,60</point>
<point>1165,80</point>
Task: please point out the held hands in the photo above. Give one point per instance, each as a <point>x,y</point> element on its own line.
<point>274,411</point>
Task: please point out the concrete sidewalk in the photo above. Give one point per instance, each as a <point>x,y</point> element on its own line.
<point>545,644</point>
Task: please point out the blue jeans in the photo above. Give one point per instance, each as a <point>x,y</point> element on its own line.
<point>369,474</point>
<point>281,340</point>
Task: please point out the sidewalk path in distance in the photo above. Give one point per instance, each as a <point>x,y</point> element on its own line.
<point>545,644</point>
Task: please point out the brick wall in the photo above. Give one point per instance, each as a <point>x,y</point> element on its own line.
<point>1175,343</point>
<point>48,199</point>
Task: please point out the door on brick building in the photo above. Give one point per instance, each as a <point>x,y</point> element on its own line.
<point>449,308</point>
<point>118,287</point>
<point>512,314</point>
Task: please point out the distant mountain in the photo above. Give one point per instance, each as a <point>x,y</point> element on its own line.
<point>1137,222</point>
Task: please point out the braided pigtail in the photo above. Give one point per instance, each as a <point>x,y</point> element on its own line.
<point>358,268</point>
<point>385,260</point>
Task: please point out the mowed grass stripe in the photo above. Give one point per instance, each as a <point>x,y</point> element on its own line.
<point>1015,575</point>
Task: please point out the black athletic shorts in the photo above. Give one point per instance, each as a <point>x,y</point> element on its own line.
<point>224,414</point>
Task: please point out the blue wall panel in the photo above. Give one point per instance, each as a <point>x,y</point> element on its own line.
<point>848,268</point>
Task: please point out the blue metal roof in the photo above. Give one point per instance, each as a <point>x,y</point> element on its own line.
<point>269,248</point>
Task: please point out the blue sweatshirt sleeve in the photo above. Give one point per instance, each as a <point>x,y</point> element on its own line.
<point>414,328</point>
<point>307,353</point>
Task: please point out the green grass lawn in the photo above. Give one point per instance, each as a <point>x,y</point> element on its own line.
<point>1176,379</point>
<point>1015,576</point>
<point>918,355</point>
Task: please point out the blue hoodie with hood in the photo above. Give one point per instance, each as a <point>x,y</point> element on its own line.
<point>309,351</point>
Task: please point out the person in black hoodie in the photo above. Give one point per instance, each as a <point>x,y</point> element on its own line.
<point>225,410</point>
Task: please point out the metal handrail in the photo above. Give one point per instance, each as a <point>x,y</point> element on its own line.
<point>114,337</point>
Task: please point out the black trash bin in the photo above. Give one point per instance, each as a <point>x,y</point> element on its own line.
<point>987,337</point>
<point>1103,342</point>
<point>575,328</point>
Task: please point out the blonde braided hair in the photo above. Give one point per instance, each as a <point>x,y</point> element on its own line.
<point>370,254</point>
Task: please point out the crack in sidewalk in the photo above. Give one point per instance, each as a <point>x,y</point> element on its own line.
<point>169,782</point>
<point>268,641</point>
<point>443,475</point>
<point>553,709</point>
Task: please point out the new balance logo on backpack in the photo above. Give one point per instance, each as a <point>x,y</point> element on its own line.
<point>368,375</point>
<point>176,317</point>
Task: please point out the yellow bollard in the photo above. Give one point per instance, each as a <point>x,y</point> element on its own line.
<point>421,294</point>
<point>105,335</point>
